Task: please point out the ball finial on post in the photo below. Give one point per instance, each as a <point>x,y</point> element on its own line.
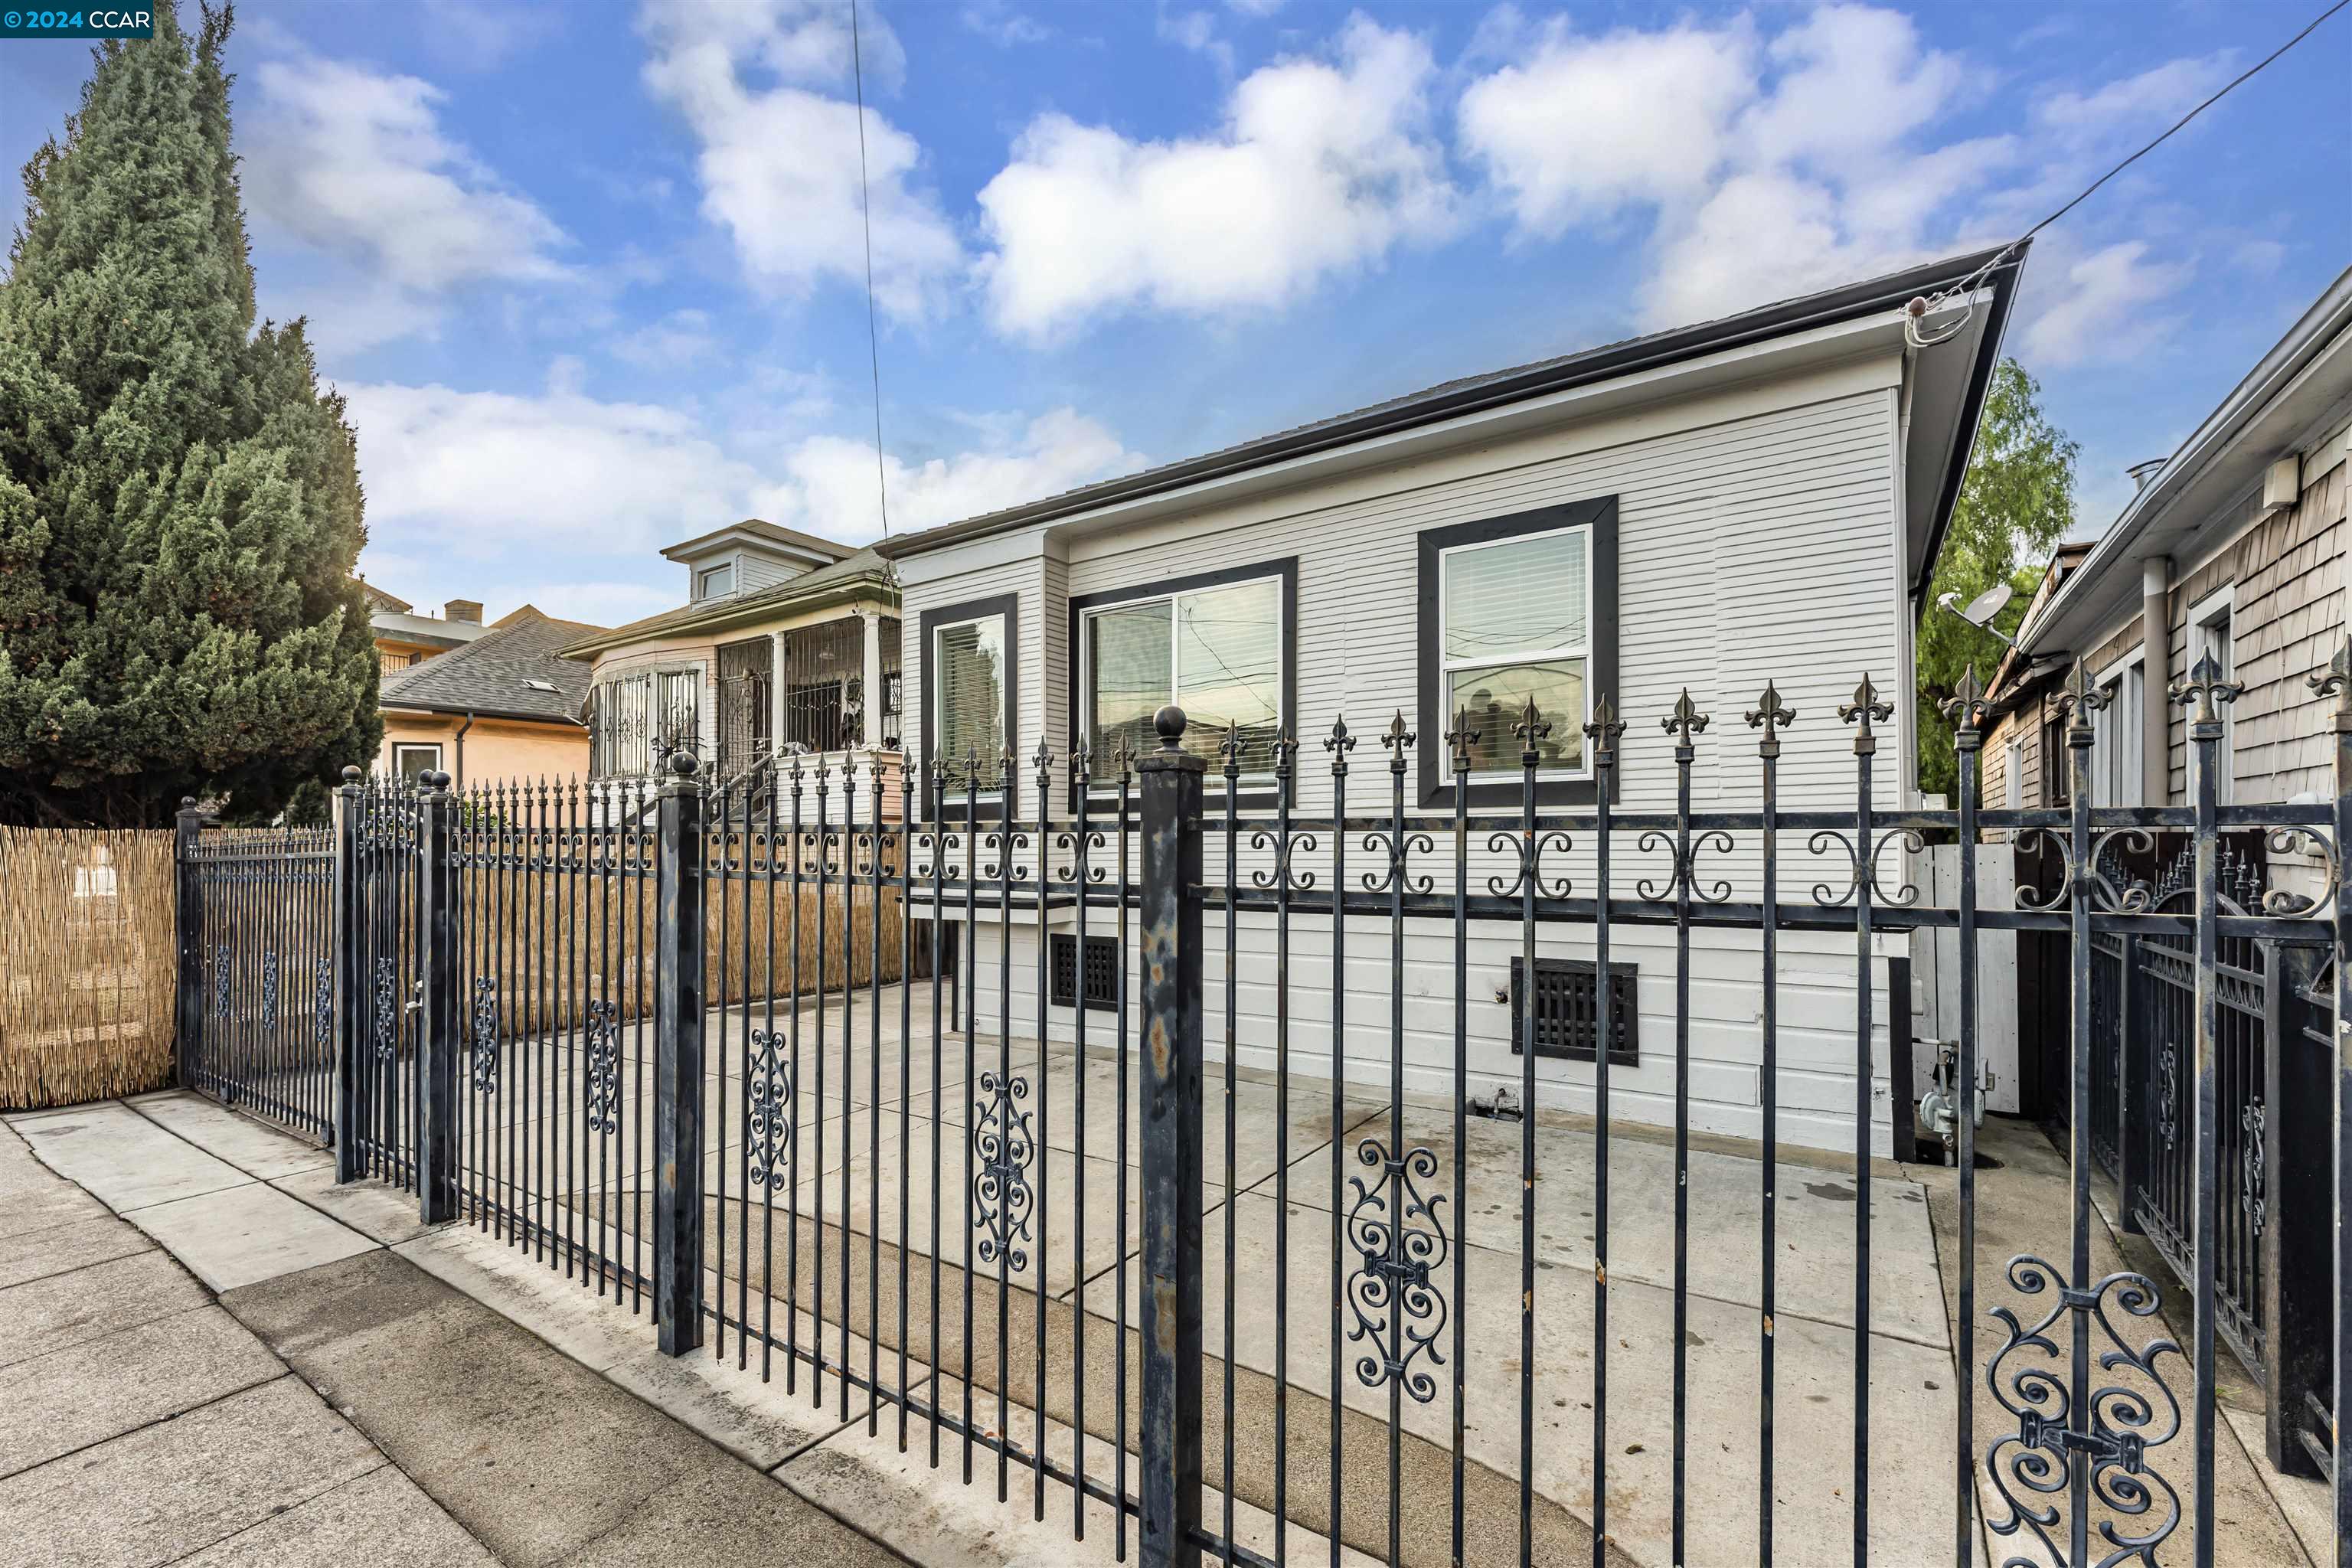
<point>1170,723</point>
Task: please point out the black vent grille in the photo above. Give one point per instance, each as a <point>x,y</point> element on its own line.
<point>1099,982</point>
<point>1565,1010</point>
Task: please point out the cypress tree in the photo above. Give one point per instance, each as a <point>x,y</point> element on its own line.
<point>180,509</point>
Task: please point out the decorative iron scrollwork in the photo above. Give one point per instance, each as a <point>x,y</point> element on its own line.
<point>1395,1306</point>
<point>2252,1164</point>
<point>2118,1422</point>
<point>387,1011</point>
<point>322,1003</point>
<point>220,980</point>
<point>486,1034</point>
<point>1531,848</point>
<point>768,1101</point>
<point>603,1067</point>
<point>1004,1143</point>
<point>270,990</point>
<point>2167,1092</point>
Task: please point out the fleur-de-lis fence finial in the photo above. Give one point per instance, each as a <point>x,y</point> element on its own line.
<point>1967,710</point>
<point>1286,752</point>
<point>1229,748</point>
<point>1771,715</point>
<point>1532,727</point>
<point>1461,739</point>
<point>1684,722</point>
<point>1603,731</point>
<point>1082,758</point>
<point>1865,708</point>
<point>2205,686</point>
<point>1338,742</point>
<point>2078,700</point>
<point>1398,740</point>
<point>2335,682</point>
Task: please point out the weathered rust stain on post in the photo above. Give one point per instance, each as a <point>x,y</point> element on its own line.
<point>1170,1433</point>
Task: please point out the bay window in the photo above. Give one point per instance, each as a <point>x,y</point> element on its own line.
<point>1218,647</point>
<point>1514,609</point>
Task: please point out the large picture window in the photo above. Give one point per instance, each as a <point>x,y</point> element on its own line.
<point>1216,647</point>
<point>1514,609</point>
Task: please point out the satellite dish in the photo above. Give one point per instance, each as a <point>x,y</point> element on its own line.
<point>1979,610</point>
<point>1987,604</point>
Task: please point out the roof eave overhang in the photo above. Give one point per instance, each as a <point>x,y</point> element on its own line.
<point>867,587</point>
<point>476,711</point>
<point>1656,353</point>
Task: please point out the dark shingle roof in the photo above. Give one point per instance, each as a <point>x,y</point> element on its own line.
<point>1465,393</point>
<point>493,675</point>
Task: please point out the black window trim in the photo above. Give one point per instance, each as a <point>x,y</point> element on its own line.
<point>1255,793</point>
<point>1597,514</point>
<point>1008,605</point>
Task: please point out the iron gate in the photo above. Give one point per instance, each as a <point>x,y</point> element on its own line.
<point>256,987</point>
<point>1269,1245</point>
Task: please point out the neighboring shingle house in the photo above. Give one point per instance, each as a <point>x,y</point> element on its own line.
<point>505,705</point>
<point>1759,497</point>
<point>2235,547</point>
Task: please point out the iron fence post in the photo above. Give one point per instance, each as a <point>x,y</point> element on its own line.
<point>1171,1435</point>
<point>187,1038</point>
<point>437,1039</point>
<point>678,1063</point>
<point>349,985</point>
<point>2132,1127</point>
<point>2337,683</point>
<point>2290,1206</point>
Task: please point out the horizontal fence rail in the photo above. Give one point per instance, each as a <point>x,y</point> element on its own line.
<point>1265,1183</point>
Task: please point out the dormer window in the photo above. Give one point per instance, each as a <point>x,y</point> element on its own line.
<point>715,582</point>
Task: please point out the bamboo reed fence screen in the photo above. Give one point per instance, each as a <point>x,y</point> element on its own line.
<point>88,970</point>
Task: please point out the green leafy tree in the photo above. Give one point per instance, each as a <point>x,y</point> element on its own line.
<point>2015,504</point>
<point>180,509</point>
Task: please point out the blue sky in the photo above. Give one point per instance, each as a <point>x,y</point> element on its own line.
<point>591,275</point>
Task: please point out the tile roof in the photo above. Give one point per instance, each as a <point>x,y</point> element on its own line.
<point>493,674</point>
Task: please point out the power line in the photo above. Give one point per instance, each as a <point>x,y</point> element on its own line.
<point>866,216</point>
<point>1968,283</point>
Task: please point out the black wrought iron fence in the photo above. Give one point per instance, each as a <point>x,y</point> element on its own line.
<point>1335,1269</point>
<point>257,1005</point>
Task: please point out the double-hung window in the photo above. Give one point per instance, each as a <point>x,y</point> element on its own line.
<point>2116,730</point>
<point>1215,646</point>
<point>1516,610</point>
<point>969,682</point>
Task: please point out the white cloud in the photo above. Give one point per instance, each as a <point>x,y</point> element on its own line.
<point>355,163</point>
<point>829,480</point>
<point>490,475</point>
<point>2166,92</point>
<point>678,339</point>
<point>1321,166</point>
<point>1586,127</point>
<point>778,163</point>
<point>1779,161</point>
<point>2102,310</point>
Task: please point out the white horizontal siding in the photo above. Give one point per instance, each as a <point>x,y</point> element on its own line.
<point>1758,539</point>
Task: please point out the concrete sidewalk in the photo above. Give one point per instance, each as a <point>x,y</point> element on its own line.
<point>201,1367</point>
<point>437,1395</point>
